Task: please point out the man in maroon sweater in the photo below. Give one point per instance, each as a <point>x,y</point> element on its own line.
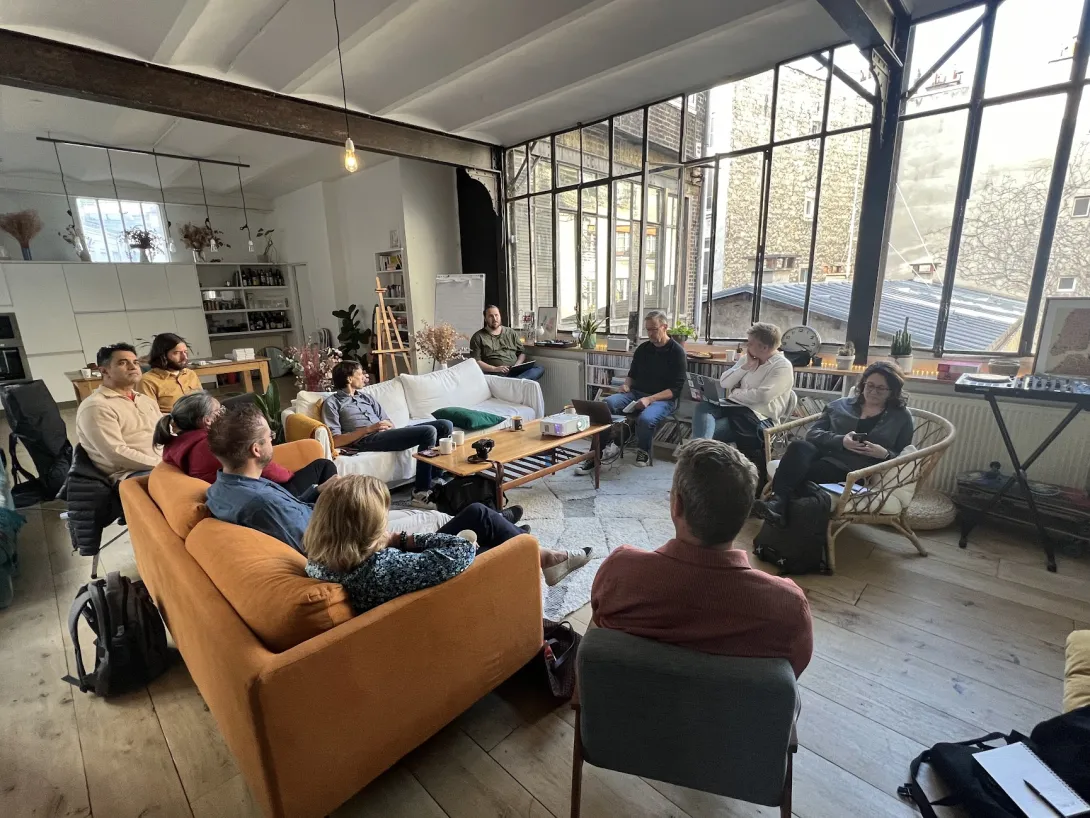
<point>698,591</point>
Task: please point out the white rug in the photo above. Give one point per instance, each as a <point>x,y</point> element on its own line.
<point>563,510</point>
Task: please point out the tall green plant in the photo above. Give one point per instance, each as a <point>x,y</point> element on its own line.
<point>269,404</point>
<point>901,345</point>
<point>351,337</point>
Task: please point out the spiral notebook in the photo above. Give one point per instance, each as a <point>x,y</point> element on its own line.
<point>1031,783</point>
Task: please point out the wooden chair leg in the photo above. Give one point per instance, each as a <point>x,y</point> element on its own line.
<point>830,546</point>
<point>577,771</point>
<point>901,524</point>
<point>785,801</point>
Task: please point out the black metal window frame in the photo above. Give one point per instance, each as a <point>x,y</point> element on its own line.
<point>825,57</point>
<point>976,106</point>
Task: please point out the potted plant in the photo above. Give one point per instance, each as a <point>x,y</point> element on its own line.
<point>149,244</point>
<point>269,404</point>
<point>440,343</point>
<point>22,226</point>
<point>845,356</point>
<point>589,325</point>
<point>352,339</point>
<point>681,332</point>
<point>74,236</point>
<point>198,238</point>
<point>900,349</point>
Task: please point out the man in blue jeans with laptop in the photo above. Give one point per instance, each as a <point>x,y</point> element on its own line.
<point>652,388</point>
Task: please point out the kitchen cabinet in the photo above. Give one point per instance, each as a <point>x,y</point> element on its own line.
<point>43,309</point>
<point>93,287</point>
<point>5,294</point>
<point>183,286</point>
<point>146,324</point>
<point>51,369</point>
<point>144,286</point>
<point>191,325</point>
<point>100,329</point>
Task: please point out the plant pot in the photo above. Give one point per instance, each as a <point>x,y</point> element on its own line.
<point>143,255</point>
<point>845,361</point>
<point>84,255</point>
<point>26,254</point>
<point>438,365</point>
<point>589,340</point>
<point>681,339</point>
<point>903,361</point>
<point>198,256</point>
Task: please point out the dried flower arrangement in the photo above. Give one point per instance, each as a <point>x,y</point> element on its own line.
<point>313,366</point>
<point>22,226</point>
<point>198,237</point>
<point>140,239</point>
<point>440,343</point>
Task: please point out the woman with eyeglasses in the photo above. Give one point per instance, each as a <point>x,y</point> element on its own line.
<point>183,434</point>
<point>852,433</point>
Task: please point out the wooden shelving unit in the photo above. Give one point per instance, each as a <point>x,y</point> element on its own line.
<point>234,309</point>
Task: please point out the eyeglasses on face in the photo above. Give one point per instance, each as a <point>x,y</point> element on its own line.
<point>875,389</point>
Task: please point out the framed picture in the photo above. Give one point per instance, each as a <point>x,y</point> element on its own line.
<point>546,320</point>
<point>1063,347</point>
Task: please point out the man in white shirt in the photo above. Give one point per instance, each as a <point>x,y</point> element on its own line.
<point>761,381</point>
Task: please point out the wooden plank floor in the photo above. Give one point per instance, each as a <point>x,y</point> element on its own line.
<point>908,651</point>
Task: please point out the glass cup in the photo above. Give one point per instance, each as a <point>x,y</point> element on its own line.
<point>516,422</point>
<point>446,445</point>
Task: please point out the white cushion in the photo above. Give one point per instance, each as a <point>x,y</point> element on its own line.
<point>391,395</point>
<point>389,467</point>
<point>416,520</point>
<point>461,385</point>
<point>898,500</point>
<point>307,403</point>
<point>505,410</point>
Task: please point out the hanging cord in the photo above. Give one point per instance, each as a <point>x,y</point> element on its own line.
<point>340,62</point>
<point>64,185</point>
<point>245,215</point>
<point>207,215</point>
<point>163,196</point>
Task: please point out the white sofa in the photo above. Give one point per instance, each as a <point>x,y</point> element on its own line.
<point>411,399</point>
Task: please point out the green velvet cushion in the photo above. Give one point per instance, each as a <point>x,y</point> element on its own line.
<point>469,419</point>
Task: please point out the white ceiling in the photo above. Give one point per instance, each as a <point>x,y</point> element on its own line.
<point>498,70</point>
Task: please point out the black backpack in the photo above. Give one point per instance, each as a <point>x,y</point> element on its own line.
<point>36,422</point>
<point>800,547</point>
<point>456,494</point>
<point>130,640</point>
<point>970,786</point>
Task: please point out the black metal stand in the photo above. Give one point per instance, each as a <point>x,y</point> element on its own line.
<point>970,520</point>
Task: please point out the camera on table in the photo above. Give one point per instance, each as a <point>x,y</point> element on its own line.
<point>483,446</point>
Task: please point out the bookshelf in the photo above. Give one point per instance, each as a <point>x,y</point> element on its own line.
<point>250,301</point>
<point>391,269</point>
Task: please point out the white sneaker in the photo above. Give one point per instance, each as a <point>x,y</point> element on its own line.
<point>611,452</point>
<point>642,458</point>
<point>424,500</point>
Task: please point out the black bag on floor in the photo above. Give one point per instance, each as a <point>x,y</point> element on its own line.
<point>1063,743</point>
<point>454,495</point>
<point>130,640</point>
<point>800,547</point>
<point>36,422</point>
<point>971,788</point>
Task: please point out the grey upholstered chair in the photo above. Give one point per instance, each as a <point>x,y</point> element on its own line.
<point>719,724</point>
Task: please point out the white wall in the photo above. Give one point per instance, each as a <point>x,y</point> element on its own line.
<point>303,235</point>
<point>52,207</point>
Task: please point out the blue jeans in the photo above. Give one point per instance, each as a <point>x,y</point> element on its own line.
<point>534,373</point>
<point>647,420</point>
<point>711,421</point>
<point>423,435</point>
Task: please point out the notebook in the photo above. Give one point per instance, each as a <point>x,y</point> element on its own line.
<point>1030,783</point>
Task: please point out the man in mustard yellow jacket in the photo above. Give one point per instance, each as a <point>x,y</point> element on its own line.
<point>169,377</point>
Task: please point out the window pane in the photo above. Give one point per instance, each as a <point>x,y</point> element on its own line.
<point>87,209</point>
<point>541,220</point>
<point>1003,223</point>
<point>737,237</point>
<point>154,223</point>
<point>660,243</point>
<point>740,114</point>
<point>626,258</point>
<point>926,183</point>
<point>568,297</point>
<point>113,229</point>
<point>518,215</point>
<point>567,175</point>
<point>787,242</point>
<point>842,177</point>
<point>664,132</point>
<point>541,165</point>
<point>800,98</point>
<point>595,151</point>
<point>628,143</point>
<point>700,188</point>
<point>1032,47</point>
<point>696,125</point>
<point>846,107</point>
<point>516,171</point>
<point>594,252</point>
<point>952,83</point>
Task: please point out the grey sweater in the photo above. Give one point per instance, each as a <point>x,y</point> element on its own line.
<point>892,432</point>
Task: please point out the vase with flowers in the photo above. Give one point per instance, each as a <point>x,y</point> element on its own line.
<point>74,236</point>
<point>198,238</point>
<point>148,243</point>
<point>23,227</point>
<point>313,366</point>
<point>439,342</point>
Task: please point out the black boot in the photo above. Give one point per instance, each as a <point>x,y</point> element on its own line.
<point>774,510</point>
<point>512,514</point>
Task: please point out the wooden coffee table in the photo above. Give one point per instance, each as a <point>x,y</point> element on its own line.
<point>519,457</point>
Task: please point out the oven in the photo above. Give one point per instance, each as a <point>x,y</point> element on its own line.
<point>13,363</point>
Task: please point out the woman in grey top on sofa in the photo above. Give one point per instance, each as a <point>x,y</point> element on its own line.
<point>852,433</point>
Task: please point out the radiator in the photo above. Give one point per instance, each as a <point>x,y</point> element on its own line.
<point>1066,461</point>
<point>562,381</point>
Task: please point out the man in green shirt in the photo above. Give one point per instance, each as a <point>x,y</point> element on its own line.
<point>497,348</point>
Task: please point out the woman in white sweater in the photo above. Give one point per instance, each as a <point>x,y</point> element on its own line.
<point>760,381</point>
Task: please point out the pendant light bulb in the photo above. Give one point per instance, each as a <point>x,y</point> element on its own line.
<point>170,245</point>
<point>250,244</point>
<point>212,245</point>
<point>351,163</point>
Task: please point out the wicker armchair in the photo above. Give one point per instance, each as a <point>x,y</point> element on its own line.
<point>887,484</point>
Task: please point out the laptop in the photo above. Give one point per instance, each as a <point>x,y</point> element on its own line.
<point>708,389</point>
<point>518,369</point>
<point>596,410</point>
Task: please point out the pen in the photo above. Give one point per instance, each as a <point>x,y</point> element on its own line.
<point>1041,795</point>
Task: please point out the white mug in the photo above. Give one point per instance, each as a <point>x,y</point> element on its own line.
<point>446,446</point>
<point>459,437</point>
<point>86,373</point>
<point>732,356</point>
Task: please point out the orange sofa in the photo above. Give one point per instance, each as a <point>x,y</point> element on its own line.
<point>313,701</point>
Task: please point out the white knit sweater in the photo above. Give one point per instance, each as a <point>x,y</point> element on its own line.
<point>766,390</point>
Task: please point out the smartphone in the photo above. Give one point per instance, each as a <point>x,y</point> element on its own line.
<point>859,437</point>
<point>432,452</point>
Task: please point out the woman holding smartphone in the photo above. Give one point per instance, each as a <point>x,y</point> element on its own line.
<point>852,433</point>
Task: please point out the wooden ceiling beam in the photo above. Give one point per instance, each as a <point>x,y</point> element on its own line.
<point>59,68</point>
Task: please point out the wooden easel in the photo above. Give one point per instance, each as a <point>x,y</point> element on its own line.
<point>388,340</point>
